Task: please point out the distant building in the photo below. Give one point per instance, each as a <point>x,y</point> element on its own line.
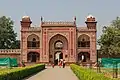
<point>52,41</point>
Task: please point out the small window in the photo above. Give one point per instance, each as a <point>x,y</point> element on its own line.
<point>34,39</point>
<point>65,56</point>
<point>50,56</point>
<point>58,45</point>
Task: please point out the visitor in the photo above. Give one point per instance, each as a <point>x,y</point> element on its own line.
<point>23,64</point>
<point>53,65</point>
<point>60,63</point>
<point>64,63</point>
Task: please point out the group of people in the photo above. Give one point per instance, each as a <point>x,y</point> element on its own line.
<point>61,63</point>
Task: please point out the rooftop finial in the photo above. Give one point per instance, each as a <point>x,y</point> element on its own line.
<point>90,16</point>
<point>41,18</point>
<point>75,18</point>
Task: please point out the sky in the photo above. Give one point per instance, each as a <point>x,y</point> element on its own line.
<point>55,10</point>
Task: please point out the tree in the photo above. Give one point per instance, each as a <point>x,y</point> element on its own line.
<point>16,44</point>
<point>7,34</point>
<point>116,23</point>
<point>110,39</point>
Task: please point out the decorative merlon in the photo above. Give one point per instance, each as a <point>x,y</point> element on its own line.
<point>85,29</point>
<point>16,51</point>
<point>59,23</point>
<point>31,29</point>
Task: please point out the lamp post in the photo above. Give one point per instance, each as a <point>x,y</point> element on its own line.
<point>115,70</point>
<point>98,64</point>
<point>97,61</point>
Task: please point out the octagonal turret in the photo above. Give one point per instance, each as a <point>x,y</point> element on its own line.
<point>26,21</point>
<point>91,22</point>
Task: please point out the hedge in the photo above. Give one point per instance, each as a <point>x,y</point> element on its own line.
<point>20,73</point>
<point>87,74</point>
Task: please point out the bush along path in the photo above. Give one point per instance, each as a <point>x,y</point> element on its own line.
<point>88,74</point>
<point>20,73</point>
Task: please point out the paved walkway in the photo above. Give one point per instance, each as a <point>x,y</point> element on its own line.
<point>54,74</point>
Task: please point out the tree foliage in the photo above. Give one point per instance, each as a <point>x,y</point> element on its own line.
<point>110,39</point>
<point>116,23</point>
<point>7,34</point>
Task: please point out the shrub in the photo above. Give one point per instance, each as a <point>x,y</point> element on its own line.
<point>87,74</point>
<point>20,73</point>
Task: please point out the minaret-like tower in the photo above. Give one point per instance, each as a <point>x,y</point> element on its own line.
<point>25,24</point>
<point>91,22</point>
<point>91,25</point>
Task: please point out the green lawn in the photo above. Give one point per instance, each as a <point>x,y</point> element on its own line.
<point>8,69</point>
<point>108,71</point>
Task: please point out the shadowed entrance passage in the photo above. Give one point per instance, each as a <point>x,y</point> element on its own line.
<point>83,56</point>
<point>33,57</point>
<point>55,74</point>
<point>57,45</point>
<point>58,55</point>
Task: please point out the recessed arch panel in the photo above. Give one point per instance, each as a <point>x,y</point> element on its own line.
<point>83,41</point>
<point>33,41</point>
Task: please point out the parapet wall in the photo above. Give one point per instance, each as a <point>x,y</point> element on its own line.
<point>10,51</point>
<point>60,23</point>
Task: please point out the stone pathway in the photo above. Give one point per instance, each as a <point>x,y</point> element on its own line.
<point>54,74</point>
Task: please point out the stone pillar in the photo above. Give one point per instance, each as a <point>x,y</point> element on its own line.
<point>93,50</point>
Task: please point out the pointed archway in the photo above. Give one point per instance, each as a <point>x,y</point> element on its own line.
<point>33,42</point>
<point>84,41</point>
<point>57,43</point>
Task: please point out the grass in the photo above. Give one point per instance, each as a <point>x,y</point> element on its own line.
<point>6,69</point>
<point>108,71</point>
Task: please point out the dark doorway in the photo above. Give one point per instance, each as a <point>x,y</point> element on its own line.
<point>57,56</point>
<point>83,56</point>
<point>33,57</point>
<point>61,56</point>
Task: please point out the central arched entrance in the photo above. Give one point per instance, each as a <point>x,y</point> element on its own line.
<point>57,45</point>
<point>57,57</point>
<point>33,57</point>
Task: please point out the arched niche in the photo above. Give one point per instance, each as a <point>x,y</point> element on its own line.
<point>33,41</point>
<point>83,41</point>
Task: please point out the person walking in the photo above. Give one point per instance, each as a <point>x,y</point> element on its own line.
<point>64,63</point>
<point>52,63</point>
<point>60,63</point>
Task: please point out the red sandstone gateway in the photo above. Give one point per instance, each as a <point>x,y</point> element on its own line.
<point>52,41</point>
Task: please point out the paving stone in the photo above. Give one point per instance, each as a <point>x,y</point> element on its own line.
<point>54,74</point>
